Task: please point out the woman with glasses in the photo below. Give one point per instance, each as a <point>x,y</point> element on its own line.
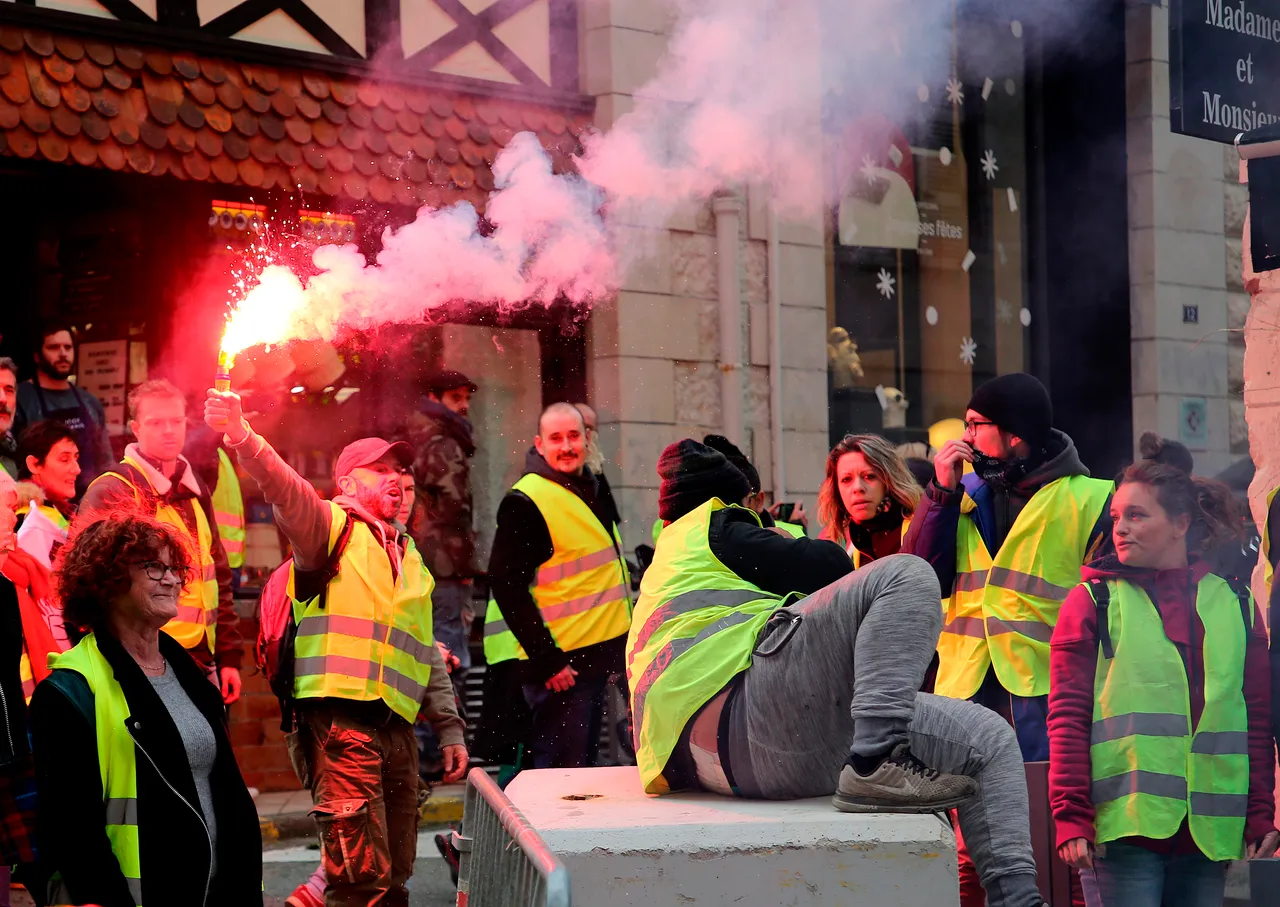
<point>867,498</point>
<point>139,796</point>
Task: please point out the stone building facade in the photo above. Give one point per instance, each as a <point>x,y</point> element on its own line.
<point>1186,219</point>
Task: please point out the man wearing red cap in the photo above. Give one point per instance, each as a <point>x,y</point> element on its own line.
<point>365,663</point>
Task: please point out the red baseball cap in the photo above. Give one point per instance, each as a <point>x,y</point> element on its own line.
<point>370,450</point>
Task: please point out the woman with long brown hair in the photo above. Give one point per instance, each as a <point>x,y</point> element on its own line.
<point>1161,764</point>
<point>867,498</point>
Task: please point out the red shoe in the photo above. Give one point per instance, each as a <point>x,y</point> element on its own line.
<point>303,897</point>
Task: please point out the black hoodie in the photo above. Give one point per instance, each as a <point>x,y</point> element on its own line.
<point>521,545</point>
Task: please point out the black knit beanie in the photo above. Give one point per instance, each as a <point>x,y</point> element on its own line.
<point>693,474</point>
<point>735,456</point>
<point>1019,404</point>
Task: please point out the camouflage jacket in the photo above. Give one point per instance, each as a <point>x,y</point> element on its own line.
<point>441,523</point>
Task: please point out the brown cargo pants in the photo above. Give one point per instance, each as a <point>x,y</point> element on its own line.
<point>363,763</point>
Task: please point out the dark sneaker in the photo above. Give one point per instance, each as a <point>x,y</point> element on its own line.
<point>901,784</point>
<point>444,844</point>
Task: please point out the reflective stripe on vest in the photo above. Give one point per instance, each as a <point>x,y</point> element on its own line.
<point>1002,611</point>
<point>116,761</point>
<point>694,629</point>
<point>583,591</point>
<point>372,639</point>
<point>1148,770</point>
<point>228,510</point>
<point>196,623</point>
<point>856,555</point>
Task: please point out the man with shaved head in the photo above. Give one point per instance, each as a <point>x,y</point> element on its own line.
<point>560,591</point>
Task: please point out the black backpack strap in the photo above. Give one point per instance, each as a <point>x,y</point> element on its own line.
<point>1102,600</point>
<point>333,565</point>
<point>282,684</point>
<point>1241,589</point>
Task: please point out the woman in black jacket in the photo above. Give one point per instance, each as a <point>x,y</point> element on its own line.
<point>197,837</point>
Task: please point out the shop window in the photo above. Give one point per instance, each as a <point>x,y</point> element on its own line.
<point>927,249</point>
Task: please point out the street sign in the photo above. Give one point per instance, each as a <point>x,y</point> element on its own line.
<point>1224,66</point>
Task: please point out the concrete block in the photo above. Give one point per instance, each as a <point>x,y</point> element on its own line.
<point>755,277</point>
<point>1181,203</point>
<point>793,226</point>
<point>1230,164</point>
<point>804,338</point>
<point>804,400</point>
<point>1155,310</point>
<point>633,389</point>
<point>611,107</point>
<point>1146,88</point>
<point>757,406</point>
<point>1234,249</point>
<point>693,265</point>
<point>1237,311</point>
<point>1237,428</point>
<point>642,15</point>
<point>1180,369</point>
<point>806,455</point>
<point>622,847</point>
<point>657,326</point>
<point>1235,198</point>
<point>1177,256</point>
<point>1146,33</point>
<point>697,393</point>
<point>758,325</point>
<point>644,258</point>
<point>620,60</point>
<point>803,276</point>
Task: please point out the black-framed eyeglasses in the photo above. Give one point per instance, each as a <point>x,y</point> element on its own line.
<point>155,571</point>
<point>972,425</point>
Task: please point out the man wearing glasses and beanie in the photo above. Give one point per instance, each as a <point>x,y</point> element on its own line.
<point>1007,543</point>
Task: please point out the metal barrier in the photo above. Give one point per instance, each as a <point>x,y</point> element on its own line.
<point>502,860</point>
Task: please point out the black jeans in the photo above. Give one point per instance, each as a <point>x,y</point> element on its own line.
<point>566,726</point>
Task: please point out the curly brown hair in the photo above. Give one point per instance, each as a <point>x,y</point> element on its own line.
<point>92,569</point>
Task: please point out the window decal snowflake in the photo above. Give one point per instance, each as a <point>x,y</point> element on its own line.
<point>989,165</point>
<point>868,168</point>
<point>884,283</point>
<point>1004,311</point>
<point>968,350</point>
<point>955,92</point>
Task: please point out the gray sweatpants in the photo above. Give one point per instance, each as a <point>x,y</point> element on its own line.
<point>848,678</point>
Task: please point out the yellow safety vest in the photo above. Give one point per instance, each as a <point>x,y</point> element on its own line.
<point>370,636</point>
<point>583,592</point>
<point>695,628</point>
<point>197,619</point>
<point>228,511</point>
<point>53,514</point>
<point>856,556</point>
<point>1267,572</point>
<point>1002,610</point>
<point>116,761</point>
<point>1148,769</point>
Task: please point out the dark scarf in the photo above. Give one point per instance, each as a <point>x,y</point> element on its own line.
<point>863,535</point>
<point>455,426</point>
<point>1006,475</point>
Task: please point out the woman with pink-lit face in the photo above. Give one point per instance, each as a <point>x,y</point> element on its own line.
<point>867,497</point>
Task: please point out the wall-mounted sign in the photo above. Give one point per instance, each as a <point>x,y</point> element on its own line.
<point>104,370</point>
<point>1193,421</point>
<point>1224,66</point>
